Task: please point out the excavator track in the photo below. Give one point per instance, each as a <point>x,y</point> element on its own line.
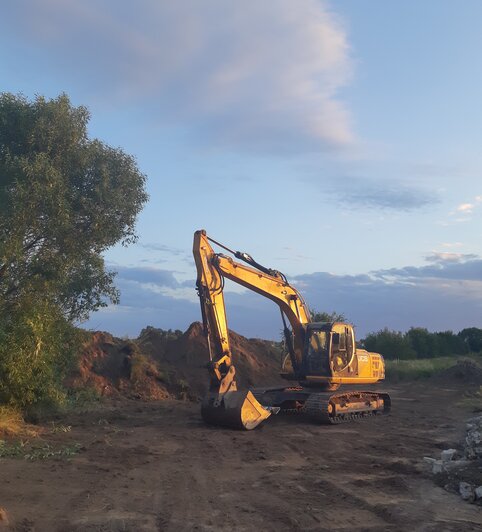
<point>326,407</point>
<point>337,408</point>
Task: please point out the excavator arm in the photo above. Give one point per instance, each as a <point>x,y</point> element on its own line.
<point>210,286</point>
<point>212,269</point>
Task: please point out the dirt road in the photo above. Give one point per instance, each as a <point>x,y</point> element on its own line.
<point>155,466</point>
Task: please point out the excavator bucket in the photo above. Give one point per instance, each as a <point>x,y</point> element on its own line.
<point>237,410</point>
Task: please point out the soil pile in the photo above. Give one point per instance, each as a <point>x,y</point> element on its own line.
<point>111,366</point>
<point>183,358</point>
<point>161,364</point>
<point>466,370</point>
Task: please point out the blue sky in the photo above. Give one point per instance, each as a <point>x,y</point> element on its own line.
<point>338,142</point>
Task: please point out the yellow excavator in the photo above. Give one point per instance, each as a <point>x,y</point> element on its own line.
<point>321,356</point>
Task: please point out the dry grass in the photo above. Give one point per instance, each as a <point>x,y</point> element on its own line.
<point>12,424</point>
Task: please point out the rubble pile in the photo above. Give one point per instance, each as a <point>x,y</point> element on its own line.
<point>461,471</point>
<point>473,440</point>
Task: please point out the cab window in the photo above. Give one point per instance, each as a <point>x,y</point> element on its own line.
<point>317,355</point>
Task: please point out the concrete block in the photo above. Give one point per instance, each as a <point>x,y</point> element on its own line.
<point>466,491</point>
<point>448,454</point>
<point>456,464</point>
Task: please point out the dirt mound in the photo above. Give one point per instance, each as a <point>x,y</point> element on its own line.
<point>465,370</point>
<point>161,364</point>
<point>184,358</point>
<point>112,366</point>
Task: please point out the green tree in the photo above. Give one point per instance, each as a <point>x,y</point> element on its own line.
<point>64,200</point>
<point>423,342</point>
<point>326,316</point>
<point>450,344</point>
<point>391,344</point>
<point>472,338</point>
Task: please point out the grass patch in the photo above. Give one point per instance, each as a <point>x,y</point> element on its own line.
<point>58,428</point>
<point>183,385</point>
<point>76,401</point>
<point>397,370</point>
<point>47,451</point>
<point>12,424</point>
<point>142,367</point>
<point>16,435</point>
<point>12,450</point>
<point>25,450</point>
<point>84,399</point>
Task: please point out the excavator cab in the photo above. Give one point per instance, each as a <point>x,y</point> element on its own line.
<point>329,350</point>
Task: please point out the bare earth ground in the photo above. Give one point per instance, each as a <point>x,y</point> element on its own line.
<point>156,466</point>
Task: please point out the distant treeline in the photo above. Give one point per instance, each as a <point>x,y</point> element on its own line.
<point>420,343</point>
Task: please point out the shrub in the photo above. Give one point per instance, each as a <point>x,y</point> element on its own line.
<point>37,346</point>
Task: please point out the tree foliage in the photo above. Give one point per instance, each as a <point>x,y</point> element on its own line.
<point>37,348</point>
<point>64,200</point>
<point>390,344</point>
<point>472,338</point>
<point>418,342</point>
<point>326,317</point>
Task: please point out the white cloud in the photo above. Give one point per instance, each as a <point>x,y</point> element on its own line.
<point>441,256</point>
<point>452,244</point>
<point>465,207</point>
<point>261,75</point>
<point>445,256</point>
<point>465,210</point>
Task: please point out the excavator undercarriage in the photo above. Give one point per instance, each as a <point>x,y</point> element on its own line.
<point>324,407</point>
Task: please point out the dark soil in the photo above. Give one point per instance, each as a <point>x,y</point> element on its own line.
<point>465,370</point>
<point>154,466</point>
